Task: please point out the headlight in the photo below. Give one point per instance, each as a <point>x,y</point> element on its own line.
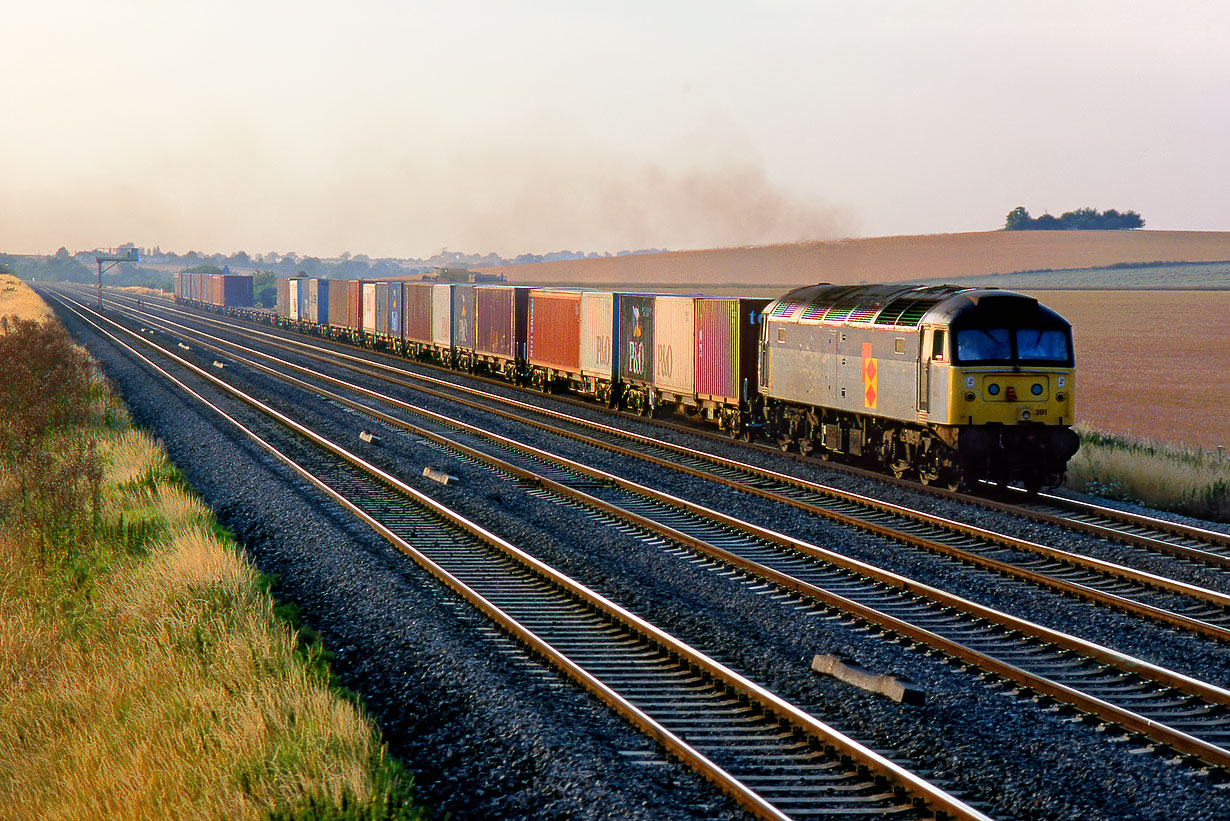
<point>1036,389</point>
<point>993,389</point>
<point>1059,397</point>
<point>969,397</point>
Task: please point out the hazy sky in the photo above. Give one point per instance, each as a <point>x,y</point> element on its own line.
<point>398,128</point>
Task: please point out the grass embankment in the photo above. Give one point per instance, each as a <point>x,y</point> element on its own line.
<point>1191,481</point>
<point>143,672</point>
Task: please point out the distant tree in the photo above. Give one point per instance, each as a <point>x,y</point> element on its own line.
<point>1082,219</point>
<point>1018,220</point>
<point>202,269</point>
<point>267,297</point>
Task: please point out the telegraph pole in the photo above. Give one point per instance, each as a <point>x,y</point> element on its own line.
<point>111,260</point>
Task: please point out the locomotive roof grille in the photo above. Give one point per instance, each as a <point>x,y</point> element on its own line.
<point>786,307</point>
<point>905,313</point>
<point>864,313</point>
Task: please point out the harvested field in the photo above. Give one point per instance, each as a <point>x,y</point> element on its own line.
<point>1151,364</point>
<point>879,259</point>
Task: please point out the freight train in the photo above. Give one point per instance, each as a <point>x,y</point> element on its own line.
<point>951,385</point>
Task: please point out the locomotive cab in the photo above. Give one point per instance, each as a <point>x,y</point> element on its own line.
<point>951,384</point>
<point>1007,408</point>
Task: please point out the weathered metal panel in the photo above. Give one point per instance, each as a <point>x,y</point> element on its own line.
<point>442,316</point>
<point>339,303</point>
<point>395,309</point>
<point>727,334</point>
<point>854,369</point>
<point>674,345</point>
<point>555,330</point>
<point>354,314</point>
<point>318,300</point>
<point>305,309</point>
<point>292,296</point>
<point>283,288</point>
<point>416,312</point>
<point>369,308</point>
<point>599,335</point>
<point>382,308</point>
<point>500,321</point>
<point>236,290</point>
<point>636,338</point>
<point>463,317</point>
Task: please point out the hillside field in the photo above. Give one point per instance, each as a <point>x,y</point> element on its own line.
<point>878,259</point>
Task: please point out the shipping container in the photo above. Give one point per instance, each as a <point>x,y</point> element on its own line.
<point>382,309</point>
<point>416,312</point>
<point>318,301</point>
<point>727,338</point>
<point>555,330</point>
<point>215,289</point>
<point>674,345</point>
<point>599,335</point>
<point>294,301</point>
<point>442,317</point>
<point>236,290</point>
<point>395,310</point>
<point>500,314</point>
<point>636,332</point>
<point>354,316</point>
<point>368,321</point>
<point>463,317</point>
<point>339,303</point>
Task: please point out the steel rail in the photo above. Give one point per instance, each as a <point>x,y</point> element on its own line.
<point>1211,625</point>
<point>1175,739</point>
<point>934,799</point>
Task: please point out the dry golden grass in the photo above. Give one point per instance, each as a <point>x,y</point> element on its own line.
<point>1166,477</point>
<point>163,687</point>
<point>140,290</point>
<point>18,299</point>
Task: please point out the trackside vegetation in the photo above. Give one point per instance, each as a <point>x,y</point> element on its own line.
<point>144,672</point>
<point>1191,481</point>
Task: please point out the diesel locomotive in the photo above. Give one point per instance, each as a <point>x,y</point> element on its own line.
<point>952,384</point>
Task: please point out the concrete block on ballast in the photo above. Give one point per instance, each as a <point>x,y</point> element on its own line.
<point>898,689</point>
<point>438,475</point>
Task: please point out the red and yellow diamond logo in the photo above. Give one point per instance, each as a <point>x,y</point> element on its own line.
<point>870,371</point>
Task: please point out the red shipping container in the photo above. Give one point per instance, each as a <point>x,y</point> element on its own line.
<point>727,335</point>
<point>555,330</point>
<point>500,320</point>
<point>416,312</point>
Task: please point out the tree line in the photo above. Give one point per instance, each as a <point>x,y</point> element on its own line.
<point>1082,219</point>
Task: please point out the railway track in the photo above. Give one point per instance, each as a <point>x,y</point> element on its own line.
<point>1177,604</point>
<point>1177,712</point>
<point>774,758</point>
<point>1199,546</point>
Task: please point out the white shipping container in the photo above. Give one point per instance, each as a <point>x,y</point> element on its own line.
<point>674,342</point>
<point>598,335</point>
<point>294,298</point>
<point>369,307</point>
<point>442,316</point>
